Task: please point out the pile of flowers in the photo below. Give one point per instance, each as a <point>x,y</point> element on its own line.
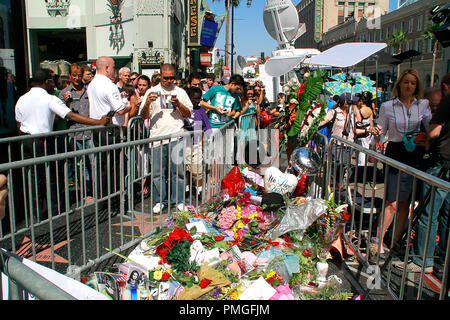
<point>223,251</point>
<point>244,219</point>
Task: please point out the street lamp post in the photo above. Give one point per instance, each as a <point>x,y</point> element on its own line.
<point>226,52</point>
<point>232,38</point>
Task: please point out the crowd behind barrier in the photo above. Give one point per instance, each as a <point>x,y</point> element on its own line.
<point>81,201</point>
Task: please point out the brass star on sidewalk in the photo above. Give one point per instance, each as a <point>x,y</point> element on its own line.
<point>43,251</point>
<point>144,223</point>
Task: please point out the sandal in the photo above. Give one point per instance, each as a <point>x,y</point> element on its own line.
<point>373,248</point>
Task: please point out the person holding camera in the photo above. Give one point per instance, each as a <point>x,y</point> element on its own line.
<point>261,98</point>
<point>249,102</point>
<point>438,141</point>
<point>223,102</point>
<point>164,108</point>
<point>143,83</point>
<point>401,119</point>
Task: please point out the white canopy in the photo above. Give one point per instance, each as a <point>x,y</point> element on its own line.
<point>346,54</point>
<point>340,56</point>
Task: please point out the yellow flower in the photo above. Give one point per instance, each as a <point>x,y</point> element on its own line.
<point>157,275</point>
<point>235,295</point>
<point>271,274</point>
<point>240,225</point>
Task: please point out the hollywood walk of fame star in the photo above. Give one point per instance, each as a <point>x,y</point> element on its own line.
<point>140,220</point>
<point>43,251</point>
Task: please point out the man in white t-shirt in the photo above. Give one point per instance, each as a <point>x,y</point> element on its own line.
<point>35,114</point>
<point>105,99</point>
<point>36,110</point>
<point>164,107</point>
<point>104,95</point>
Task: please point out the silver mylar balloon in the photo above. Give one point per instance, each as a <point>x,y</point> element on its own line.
<point>306,161</point>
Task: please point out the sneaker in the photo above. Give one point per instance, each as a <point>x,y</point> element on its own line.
<point>411,267</point>
<point>181,207</point>
<point>158,208</point>
<point>438,270</point>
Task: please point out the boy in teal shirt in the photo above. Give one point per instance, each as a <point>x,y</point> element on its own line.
<point>224,102</point>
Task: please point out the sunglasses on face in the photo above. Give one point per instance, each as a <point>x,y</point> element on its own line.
<point>168,78</point>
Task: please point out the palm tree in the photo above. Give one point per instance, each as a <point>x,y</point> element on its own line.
<point>428,34</point>
<point>235,4</point>
<point>396,41</point>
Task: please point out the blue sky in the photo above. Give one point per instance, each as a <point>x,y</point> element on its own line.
<point>250,35</point>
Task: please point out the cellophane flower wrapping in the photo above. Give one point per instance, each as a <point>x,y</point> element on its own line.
<point>299,217</point>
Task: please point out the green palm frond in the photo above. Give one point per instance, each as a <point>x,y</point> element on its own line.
<point>397,39</point>
<point>428,33</point>
<point>313,88</point>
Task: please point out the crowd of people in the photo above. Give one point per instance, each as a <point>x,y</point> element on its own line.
<point>414,127</point>
<point>410,124</point>
<point>106,96</point>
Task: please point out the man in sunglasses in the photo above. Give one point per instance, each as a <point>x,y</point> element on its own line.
<point>164,108</point>
<point>134,79</point>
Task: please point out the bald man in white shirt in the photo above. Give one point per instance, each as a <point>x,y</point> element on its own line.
<point>105,99</point>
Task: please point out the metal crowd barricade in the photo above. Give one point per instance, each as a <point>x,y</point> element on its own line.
<point>219,153</point>
<point>71,232</point>
<point>363,188</point>
<point>317,183</point>
<point>87,234</point>
<point>247,126</point>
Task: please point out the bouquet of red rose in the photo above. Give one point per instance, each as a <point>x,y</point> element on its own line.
<point>175,250</point>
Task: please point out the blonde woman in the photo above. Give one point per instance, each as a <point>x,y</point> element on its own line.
<point>400,119</point>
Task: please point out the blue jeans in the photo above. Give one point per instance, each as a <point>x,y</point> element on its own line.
<point>77,145</point>
<point>439,223</point>
<point>164,164</point>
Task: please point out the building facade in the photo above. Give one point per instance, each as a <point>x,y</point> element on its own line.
<point>13,70</point>
<point>413,20</point>
<point>140,34</point>
<point>320,16</point>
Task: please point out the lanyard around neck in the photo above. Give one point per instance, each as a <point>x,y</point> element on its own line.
<point>405,118</point>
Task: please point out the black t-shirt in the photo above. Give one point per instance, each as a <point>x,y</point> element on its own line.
<point>265,105</point>
<point>442,144</point>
